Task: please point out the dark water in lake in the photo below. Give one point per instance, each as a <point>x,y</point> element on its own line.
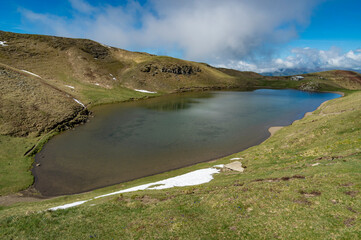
<point>132,140</point>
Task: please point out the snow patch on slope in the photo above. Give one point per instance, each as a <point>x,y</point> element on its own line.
<point>76,100</point>
<point>68,205</point>
<point>143,91</point>
<point>36,75</point>
<point>112,77</point>
<point>197,177</point>
<point>3,43</point>
<point>69,86</point>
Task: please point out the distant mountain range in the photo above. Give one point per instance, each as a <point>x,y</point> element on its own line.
<point>299,71</point>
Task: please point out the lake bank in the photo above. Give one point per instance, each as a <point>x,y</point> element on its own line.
<point>155,110</point>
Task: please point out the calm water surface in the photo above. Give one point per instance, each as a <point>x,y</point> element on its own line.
<point>132,140</point>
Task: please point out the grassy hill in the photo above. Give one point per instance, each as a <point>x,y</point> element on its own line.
<point>88,65</point>
<point>302,183</point>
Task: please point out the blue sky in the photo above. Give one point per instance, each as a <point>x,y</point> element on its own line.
<point>333,23</point>
<point>257,35</point>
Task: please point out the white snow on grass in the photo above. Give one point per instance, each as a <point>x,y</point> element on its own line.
<point>76,100</point>
<point>3,43</point>
<point>30,73</point>
<point>219,166</point>
<point>143,91</point>
<point>112,77</point>
<point>196,177</point>
<point>67,205</point>
<point>189,179</point>
<point>69,86</point>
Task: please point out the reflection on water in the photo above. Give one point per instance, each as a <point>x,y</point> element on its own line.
<point>174,105</point>
<point>137,139</point>
<point>176,102</point>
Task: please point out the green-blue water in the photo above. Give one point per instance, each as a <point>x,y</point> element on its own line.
<point>132,140</point>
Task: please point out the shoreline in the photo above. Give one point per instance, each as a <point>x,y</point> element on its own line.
<point>272,130</point>
<point>29,192</point>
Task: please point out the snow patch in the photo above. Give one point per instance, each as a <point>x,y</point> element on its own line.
<point>3,43</point>
<point>30,73</point>
<point>69,86</point>
<point>143,91</point>
<point>76,100</point>
<point>197,177</point>
<point>112,77</point>
<point>219,166</point>
<point>67,205</point>
<point>189,179</point>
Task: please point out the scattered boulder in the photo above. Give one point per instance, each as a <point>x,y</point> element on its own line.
<point>310,86</point>
<point>235,166</point>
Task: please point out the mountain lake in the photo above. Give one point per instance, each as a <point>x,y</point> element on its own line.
<point>132,140</point>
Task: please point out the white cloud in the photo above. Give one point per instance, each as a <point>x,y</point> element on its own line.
<point>204,30</point>
<point>310,59</point>
<point>82,6</point>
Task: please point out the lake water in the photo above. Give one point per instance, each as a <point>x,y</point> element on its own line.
<point>132,140</point>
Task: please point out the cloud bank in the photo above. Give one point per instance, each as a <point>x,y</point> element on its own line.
<point>306,59</point>
<point>204,30</point>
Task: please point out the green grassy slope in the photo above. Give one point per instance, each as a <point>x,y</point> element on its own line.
<point>30,106</point>
<point>15,172</point>
<point>84,64</point>
<point>302,183</point>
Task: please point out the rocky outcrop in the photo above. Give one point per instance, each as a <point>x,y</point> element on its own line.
<point>96,50</point>
<point>310,86</point>
<point>171,68</point>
